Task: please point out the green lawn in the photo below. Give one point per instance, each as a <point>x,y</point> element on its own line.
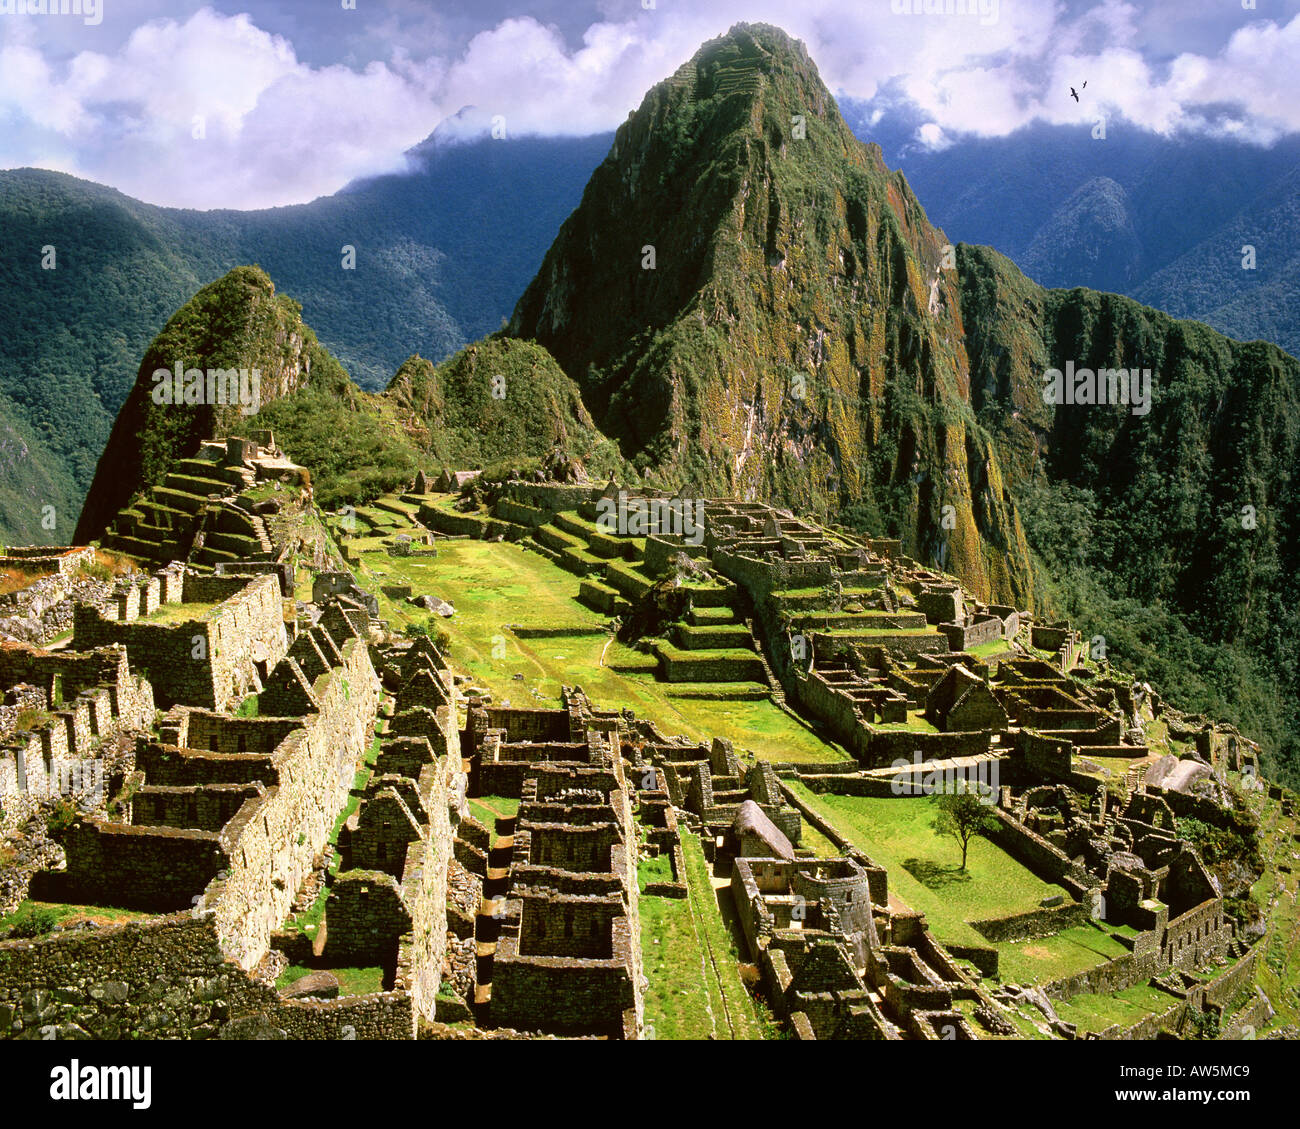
<point>924,868</point>
<point>495,585</point>
<point>178,613</point>
<point>916,723</point>
<point>815,841</point>
<point>1095,1013</point>
<point>33,918</point>
<point>488,809</point>
<point>352,981</point>
<point>1049,958</point>
<point>1279,968</point>
<point>690,960</point>
<point>657,868</point>
<point>990,649</point>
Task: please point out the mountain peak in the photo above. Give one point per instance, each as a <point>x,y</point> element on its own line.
<point>758,39</point>
<point>742,62</point>
<point>752,302</point>
<point>237,324</point>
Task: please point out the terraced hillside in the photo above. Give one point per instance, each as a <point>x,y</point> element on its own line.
<point>202,511</point>
<point>525,624</point>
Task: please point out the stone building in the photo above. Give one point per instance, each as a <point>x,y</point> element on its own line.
<point>211,658</point>
<point>962,701</point>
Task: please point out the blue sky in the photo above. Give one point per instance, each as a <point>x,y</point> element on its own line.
<point>263,103</point>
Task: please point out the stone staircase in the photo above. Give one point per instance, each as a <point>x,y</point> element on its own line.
<point>487,923</point>
<point>769,675</point>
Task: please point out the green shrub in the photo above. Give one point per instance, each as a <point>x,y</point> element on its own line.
<point>62,816</point>
<point>32,921</point>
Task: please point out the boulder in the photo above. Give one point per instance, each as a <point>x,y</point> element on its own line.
<point>322,984</point>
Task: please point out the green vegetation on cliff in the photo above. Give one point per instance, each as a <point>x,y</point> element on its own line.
<point>498,399</point>
<point>1172,534</point>
<point>796,338</point>
<point>495,401</point>
<point>237,322</point>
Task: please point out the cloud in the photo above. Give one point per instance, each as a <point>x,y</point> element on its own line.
<point>212,112</point>
<point>932,137</point>
<point>277,130</point>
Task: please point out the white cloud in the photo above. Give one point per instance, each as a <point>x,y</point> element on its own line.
<point>932,136</point>
<point>274,130</point>
<point>281,131</point>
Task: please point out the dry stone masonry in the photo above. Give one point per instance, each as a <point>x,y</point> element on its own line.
<point>258,791</point>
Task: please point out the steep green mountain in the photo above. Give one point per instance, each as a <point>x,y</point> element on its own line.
<point>73,323</point>
<point>495,401</point>
<point>1172,534</point>
<point>498,399</point>
<point>794,336</point>
<point>435,267</point>
<point>801,338</point>
<point>237,324</point>
<point>1090,236</point>
<point>1162,219</point>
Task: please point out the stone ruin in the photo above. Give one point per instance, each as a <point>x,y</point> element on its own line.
<point>201,513</point>
<point>352,793</point>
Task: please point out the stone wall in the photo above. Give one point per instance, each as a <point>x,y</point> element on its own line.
<point>159,869</point>
<point>424,890</point>
<point>42,560</point>
<point>469,525</point>
<point>1113,976</point>
<point>167,978</point>
<point>564,993</point>
<point>520,513</point>
<point>762,577</point>
<point>553,496</point>
<point>1045,922</point>
<point>884,746</point>
<point>210,662</point>
<point>835,708</point>
<point>249,870</point>
<point>1048,862</point>
<point>365,918</point>
<point>273,851</point>
<point>1197,936</point>
<point>686,666</point>
<point>102,699</point>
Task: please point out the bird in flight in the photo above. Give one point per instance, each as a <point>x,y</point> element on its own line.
<point>1074,95</point>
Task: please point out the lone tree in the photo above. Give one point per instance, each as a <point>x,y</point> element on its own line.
<point>962,815</point>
